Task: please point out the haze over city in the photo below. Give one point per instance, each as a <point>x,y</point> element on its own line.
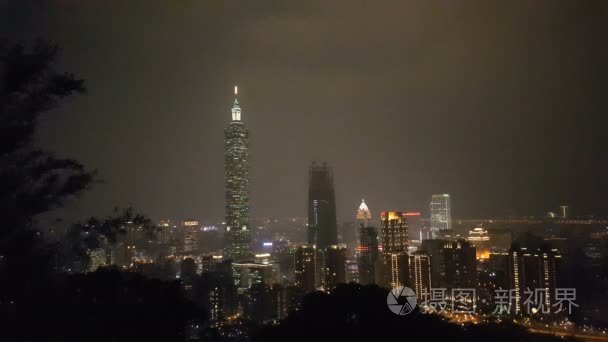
<point>495,103</point>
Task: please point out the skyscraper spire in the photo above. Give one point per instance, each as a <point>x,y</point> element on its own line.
<point>236,108</point>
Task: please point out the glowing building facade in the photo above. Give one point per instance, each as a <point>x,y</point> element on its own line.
<point>419,265</point>
<point>394,249</point>
<point>237,235</point>
<point>305,270</point>
<point>190,231</point>
<point>538,270</point>
<point>480,238</point>
<point>363,214</point>
<point>335,267</point>
<point>441,216</point>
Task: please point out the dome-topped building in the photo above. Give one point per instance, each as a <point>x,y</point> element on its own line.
<point>363,214</point>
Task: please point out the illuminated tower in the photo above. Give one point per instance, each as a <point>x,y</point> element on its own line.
<point>236,167</point>
<point>305,260</point>
<point>363,214</point>
<point>419,265</point>
<point>368,254</point>
<point>190,232</point>
<point>394,249</point>
<point>322,225</point>
<point>441,217</point>
<point>335,266</point>
<point>394,232</point>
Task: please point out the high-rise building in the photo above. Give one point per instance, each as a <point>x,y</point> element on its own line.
<point>236,167</point>
<point>535,270</point>
<point>305,269</point>
<point>394,232</point>
<point>285,299</point>
<point>352,271</point>
<point>247,274</point>
<point>257,303</point>
<point>188,273</point>
<point>414,232</point>
<point>207,263</point>
<point>190,233</point>
<point>419,264</point>
<point>97,258</point>
<point>322,224</point>
<point>453,263</point>
<point>394,249</point>
<point>441,217</point>
<point>335,267</point>
<point>434,249</point>
<point>460,264</point>
<point>367,254</point>
<point>363,214</point>
<point>164,231</point>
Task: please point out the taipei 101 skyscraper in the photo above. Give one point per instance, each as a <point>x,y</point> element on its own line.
<point>237,235</point>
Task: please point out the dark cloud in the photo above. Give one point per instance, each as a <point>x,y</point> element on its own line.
<point>501,104</point>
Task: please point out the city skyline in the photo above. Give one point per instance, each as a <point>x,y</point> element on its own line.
<point>432,168</point>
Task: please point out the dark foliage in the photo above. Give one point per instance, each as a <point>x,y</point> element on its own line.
<point>36,302</point>
<point>32,181</point>
<point>106,305</point>
<point>359,313</point>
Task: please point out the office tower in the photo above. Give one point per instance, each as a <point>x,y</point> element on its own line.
<point>480,238</point>
<point>348,235</point>
<point>236,167</point>
<point>538,269</point>
<point>335,267</point>
<point>322,225</point>
<point>188,273</point>
<point>498,267</point>
<point>257,306</point>
<point>460,264</point>
<point>164,231</point>
<point>434,249</point>
<point>190,232</point>
<point>394,249</point>
<point>283,255</point>
<point>280,302</point>
<point>247,274</point>
<point>285,299</point>
<point>208,293</point>
<point>305,269</point>
<point>441,218</point>
<point>208,263</point>
<point>414,232</point>
<point>215,292</point>
<point>367,254</point>
<point>352,271</point>
<point>363,214</point>
<point>97,258</point>
<point>419,264</point>
<point>394,232</point>
<point>224,273</point>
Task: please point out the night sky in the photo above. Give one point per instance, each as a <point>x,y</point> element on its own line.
<point>502,104</point>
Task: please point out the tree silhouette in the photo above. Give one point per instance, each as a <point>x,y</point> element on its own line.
<point>37,303</point>
<point>32,181</point>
